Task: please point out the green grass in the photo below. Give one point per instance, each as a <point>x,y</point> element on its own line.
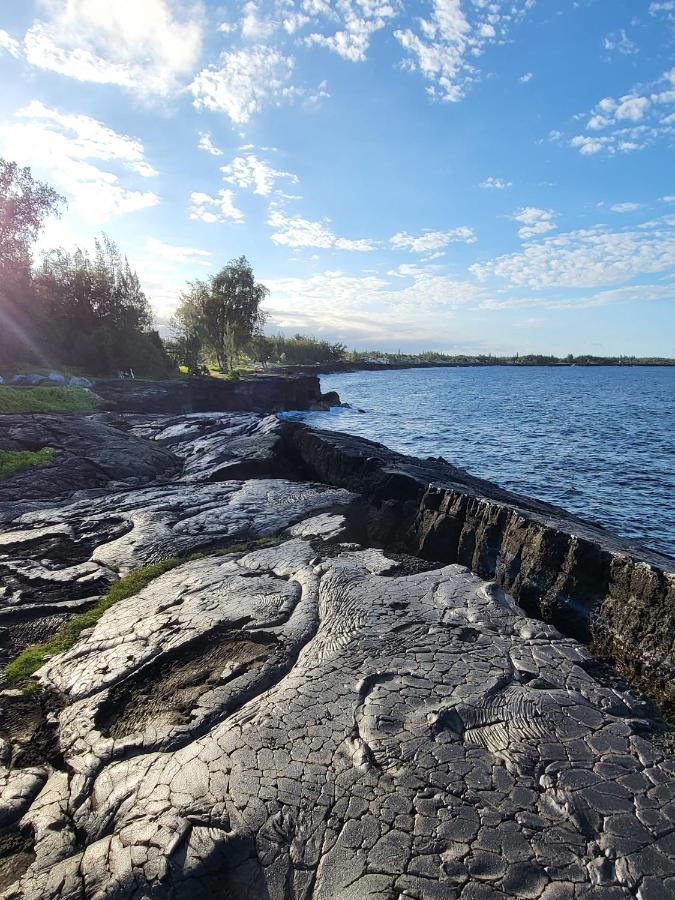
<point>14,461</point>
<point>22,667</point>
<point>46,399</point>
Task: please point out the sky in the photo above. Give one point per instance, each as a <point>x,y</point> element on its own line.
<point>469,176</point>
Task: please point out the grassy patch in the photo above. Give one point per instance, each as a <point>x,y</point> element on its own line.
<point>46,399</point>
<point>32,658</point>
<point>14,461</point>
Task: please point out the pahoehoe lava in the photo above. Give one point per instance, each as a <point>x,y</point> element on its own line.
<point>387,701</point>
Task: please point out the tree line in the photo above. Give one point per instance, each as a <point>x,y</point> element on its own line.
<point>74,309</point>
<point>88,311</point>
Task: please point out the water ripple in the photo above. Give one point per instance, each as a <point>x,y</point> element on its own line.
<point>597,441</point>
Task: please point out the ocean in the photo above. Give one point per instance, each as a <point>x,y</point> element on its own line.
<point>597,441</point>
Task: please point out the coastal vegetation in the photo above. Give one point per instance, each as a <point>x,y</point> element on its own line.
<point>14,461</point>
<point>73,309</point>
<point>299,350</point>
<point>530,359</point>
<point>86,311</point>
<point>46,399</point>
<point>220,316</point>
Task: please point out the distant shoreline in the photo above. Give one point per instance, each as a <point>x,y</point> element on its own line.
<point>339,368</point>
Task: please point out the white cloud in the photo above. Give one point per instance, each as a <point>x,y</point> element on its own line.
<point>147,47</point>
<point>251,172</point>
<point>668,198</point>
<point>10,44</point>
<point>534,221</point>
<point>205,143</point>
<point>61,147</point>
<point>214,210</point>
<point>88,138</point>
<point>446,45</point>
<point>254,25</point>
<point>355,307</point>
<point>630,122</point>
<point>294,231</point>
<point>632,108</point>
<point>587,258</point>
<point>619,41</point>
<point>175,253</point>
<point>665,7</point>
<point>639,293</point>
<point>625,207</point>
<point>588,146</point>
<point>499,184</point>
<point>165,269</point>
<point>294,22</point>
<point>359,21</point>
<point>429,241</point>
<point>528,76</point>
<point>243,82</point>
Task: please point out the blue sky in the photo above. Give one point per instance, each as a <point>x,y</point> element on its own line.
<point>459,175</point>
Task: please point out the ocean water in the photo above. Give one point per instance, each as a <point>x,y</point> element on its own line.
<point>596,441</point>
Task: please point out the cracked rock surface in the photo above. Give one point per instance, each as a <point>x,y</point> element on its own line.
<point>339,731</point>
<point>318,718</point>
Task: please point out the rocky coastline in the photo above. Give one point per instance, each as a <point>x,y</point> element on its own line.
<point>342,673</point>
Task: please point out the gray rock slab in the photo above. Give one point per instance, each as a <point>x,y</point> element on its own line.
<point>336,730</point>
<point>88,453</point>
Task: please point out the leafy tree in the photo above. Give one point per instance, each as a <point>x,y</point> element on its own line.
<point>24,205</point>
<point>299,350</point>
<point>187,346</point>
<point>92,311</point>
<point>236,299</point>
<point>224,311</point>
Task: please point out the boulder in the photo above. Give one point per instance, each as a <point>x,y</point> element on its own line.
<point>80,381</point>
<point>55,378</point>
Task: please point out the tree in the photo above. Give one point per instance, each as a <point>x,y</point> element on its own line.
<point>224,311</point>
<point>88,292</point>
<point>24,205</point>
<point>92,312</point>
<point>187,345</point>
<point>237,297</point>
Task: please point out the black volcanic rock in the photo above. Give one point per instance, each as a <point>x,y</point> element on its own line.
<point>329,715</point>
<point>88,453</point>
<point>254,393</point>
<point>616,597</point>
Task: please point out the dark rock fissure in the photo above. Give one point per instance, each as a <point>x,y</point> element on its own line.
<point>168,690</point>
<point>16,854</point>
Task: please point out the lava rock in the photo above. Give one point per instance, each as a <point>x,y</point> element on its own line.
<point>278,724</point>
<point>88,453</point>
